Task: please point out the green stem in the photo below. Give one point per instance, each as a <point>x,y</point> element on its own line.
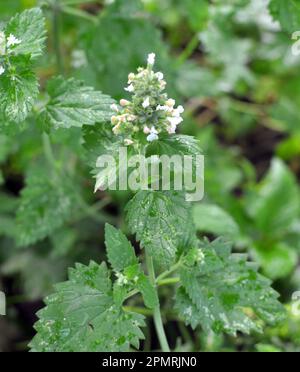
<point>170,271</point>
<point>157,315</point>
<point>168,281</point>
<point>189,50</point>
<point>48,151</point>
<point>139,310</point>
<point>56,36</point>
<point>79,13</point>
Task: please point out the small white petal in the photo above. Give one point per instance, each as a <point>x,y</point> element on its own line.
<point>151,59</point>
<point>152,137</point>
<point>2,70</point>
<point>130,88</point>
<point>12,40</point>
<point>170,102</point>
<point>147,130</point>
<point>175,120</point>
<point>159,75</point>
<point>171,129</point>
<point>146,103</point>
<point>180,109</point>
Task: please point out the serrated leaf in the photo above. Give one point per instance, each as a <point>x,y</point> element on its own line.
<point>159,220</point>
<point>81,316</point>
<point>71,104</point>
<point>287,12</point>
<point>120,252</point>
<point>98,140</point>
<point>178,144</point>
<point>45,205</point>
<point>223,292</point>
<point>121,256</point>
<point>18,89</point>
<point>29,28</point>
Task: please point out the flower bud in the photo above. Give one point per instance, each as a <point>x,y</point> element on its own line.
<point>114,120</point>
<point>124,102</point>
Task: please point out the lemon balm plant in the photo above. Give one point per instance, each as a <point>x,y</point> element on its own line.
<point>103,306</point>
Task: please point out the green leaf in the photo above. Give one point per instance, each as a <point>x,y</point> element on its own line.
<point>223,292</point>
<point>277,260</point>
<point>71,104</point>
<point>46,204</point>
<point>81,316</point>
<point>159,220</point>
<point>210,218</point>
<point>143,284</point>
<point>175,145</point>
<point>275,205</point>
<point>119,250</point>
<point>29,28</point>
<point>122,257</point>
<point>35,284</point>
<point>18,89</point>
<point>287,12</point>
<point>98,140</point>
<point>197,13</point>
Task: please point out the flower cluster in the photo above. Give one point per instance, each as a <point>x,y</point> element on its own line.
<point>150,112</point>
<point>6,44</point>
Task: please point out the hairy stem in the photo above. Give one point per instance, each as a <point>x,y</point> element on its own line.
<point>157,314</point>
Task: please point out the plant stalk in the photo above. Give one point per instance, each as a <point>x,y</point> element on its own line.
<point>56,37</point>
<point>157,314</point>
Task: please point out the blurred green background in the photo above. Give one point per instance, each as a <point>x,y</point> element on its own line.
<point>233,65</point>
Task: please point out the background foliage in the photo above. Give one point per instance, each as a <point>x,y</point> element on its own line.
<point>231,62</point>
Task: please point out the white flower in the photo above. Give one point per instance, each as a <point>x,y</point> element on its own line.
<point>159,75</point>
<point>172,129</point>
<point>2,70</point>
<point>151,59</point>
<point>114,107</point>
<point>170,102</point>
<point>146,103</point>
<point>153,136</point>
<point>12,40</point>
<point>130,89</point>
<point>175,120</point>
<point>179,111</point>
